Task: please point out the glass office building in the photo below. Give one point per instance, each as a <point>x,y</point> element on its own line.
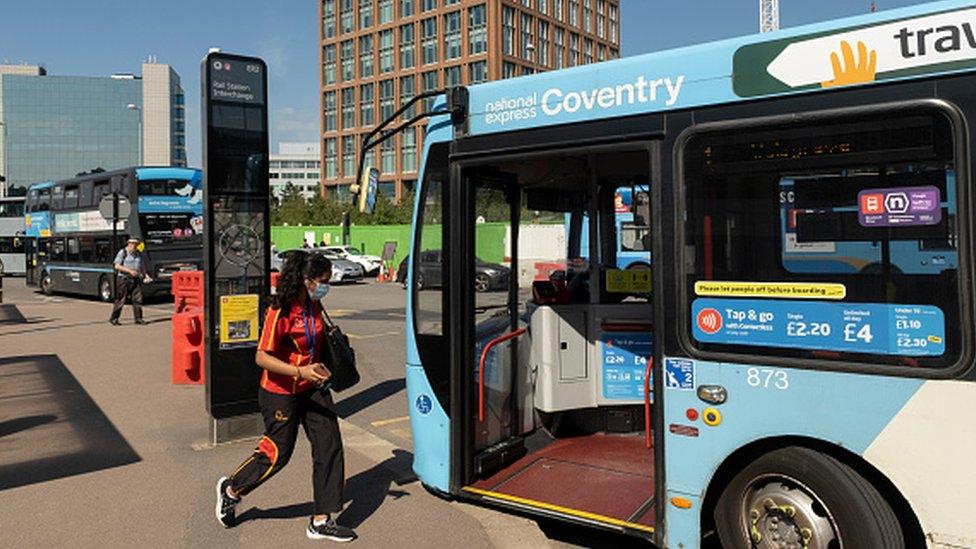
<point>54,127</point>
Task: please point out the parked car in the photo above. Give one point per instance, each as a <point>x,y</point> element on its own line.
<point>370,263</point>
<point>487,277</point>
<point>342,270</point>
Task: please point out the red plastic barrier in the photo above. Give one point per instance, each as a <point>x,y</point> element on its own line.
<point>274,281</point>
<point>187,288</point>
<point>545,268</point>
<point>188,347</point>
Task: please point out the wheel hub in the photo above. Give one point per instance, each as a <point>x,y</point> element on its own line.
<point>783,515</point>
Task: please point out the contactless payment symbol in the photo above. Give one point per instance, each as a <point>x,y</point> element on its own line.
<point>709,320</point>
<point>679,373</point>
<point>423,404</point>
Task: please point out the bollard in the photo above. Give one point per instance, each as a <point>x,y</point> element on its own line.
<point>187,289</point>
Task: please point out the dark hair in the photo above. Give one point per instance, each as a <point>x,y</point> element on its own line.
<point>299,265</point>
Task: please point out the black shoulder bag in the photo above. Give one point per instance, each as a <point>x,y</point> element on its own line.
<point>340,357</point>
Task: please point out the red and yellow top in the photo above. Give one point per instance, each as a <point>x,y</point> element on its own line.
<point>286,337</point>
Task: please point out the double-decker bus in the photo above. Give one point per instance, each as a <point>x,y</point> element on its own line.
<point>12,235</point>
<point>742,400</point>
<point>70,247</point>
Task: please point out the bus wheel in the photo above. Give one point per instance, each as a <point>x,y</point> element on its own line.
<point>797,497</point>
<point>105,289</point>
<point>47,287</point>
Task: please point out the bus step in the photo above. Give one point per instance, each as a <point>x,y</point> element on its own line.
<point>494,457</point>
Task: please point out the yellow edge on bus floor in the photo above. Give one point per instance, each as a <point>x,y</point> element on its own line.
<point>559,509</point>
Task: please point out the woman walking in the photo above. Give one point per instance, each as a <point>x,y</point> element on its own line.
<point>294,392</point>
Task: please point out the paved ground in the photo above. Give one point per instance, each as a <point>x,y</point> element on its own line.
<point>97,448</point>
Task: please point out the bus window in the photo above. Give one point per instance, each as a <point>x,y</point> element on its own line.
<point>58,249</point>
<point>103,250</point>
<point>70,197</point>
<point>43,201</point>
<point>847,213</point>
<point>73,249</point>
<point>86,246</point>
<point>100,189</point>
<point>85,199</point>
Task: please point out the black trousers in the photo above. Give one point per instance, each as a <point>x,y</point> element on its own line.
<point>282,416</point>
<point>128,288</point>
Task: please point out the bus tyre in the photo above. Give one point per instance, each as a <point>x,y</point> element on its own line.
<point>47,286</point>
<point>797,497</point>
<point>105,289</point>
<point>418,282</point>
<point>481,283</point>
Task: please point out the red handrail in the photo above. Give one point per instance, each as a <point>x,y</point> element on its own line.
<point>647,402</point>
<point>481,368</point>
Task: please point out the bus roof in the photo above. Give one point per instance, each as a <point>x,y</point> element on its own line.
<point>911,42</point>
<point>146,173</point>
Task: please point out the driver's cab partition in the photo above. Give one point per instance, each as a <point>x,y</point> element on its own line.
<point>560,334</point>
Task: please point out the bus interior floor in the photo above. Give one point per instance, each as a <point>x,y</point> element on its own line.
<point>611,475</point>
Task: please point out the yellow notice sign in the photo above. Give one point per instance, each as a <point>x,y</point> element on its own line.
<point>784,290</point>
<point>238,321</point>
<point>629,281</point>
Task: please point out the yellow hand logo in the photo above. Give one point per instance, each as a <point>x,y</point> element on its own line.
<point>851,72</point>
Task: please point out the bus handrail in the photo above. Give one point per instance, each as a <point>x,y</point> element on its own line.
<point>481,368</point>
<point>647,402</point>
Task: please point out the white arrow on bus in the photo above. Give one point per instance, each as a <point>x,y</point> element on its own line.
<point>906,44</point>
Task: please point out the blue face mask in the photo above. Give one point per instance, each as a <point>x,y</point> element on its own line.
<point>321,290</point>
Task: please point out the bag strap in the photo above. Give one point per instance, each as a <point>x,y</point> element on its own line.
<point>331,324</point>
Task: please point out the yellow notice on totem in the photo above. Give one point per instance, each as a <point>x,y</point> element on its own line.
<point>783,290</point>
<point>238,321</point>
<point>629,281</point>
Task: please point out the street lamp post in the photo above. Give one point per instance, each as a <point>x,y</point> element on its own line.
<point>134,107</point>
<point>6,162</point>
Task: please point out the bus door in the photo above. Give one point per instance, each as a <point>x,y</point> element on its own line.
<point>498,352</point>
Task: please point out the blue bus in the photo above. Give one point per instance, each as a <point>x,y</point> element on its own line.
<point>69,245</point>
<point>743,401</point>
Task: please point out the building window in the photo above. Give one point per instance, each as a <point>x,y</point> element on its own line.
<point>330,159</point>
<point>345,16</point>
<point>348,64</point>
<point>407,47</point>
<point>329,64</point>
<point>365,14</point>
<point>430,5</point>
<point>574,13</point>
<point>613,23</point>
<point>429,83</point>
<point>477,72</point>
<point>557,10</point>
<point>388,156</point>
<point>508,30</point>
<point>509,70</point>
<point>386,51</point>
<point>386,11</point>
<point>329,111</point>
<point>542,6</point>
<point>587,51</point>
<point>428,40</point>
<point>366,104</point>
<point>406,8</point>
<point>574,49</point>
<point>526,46</point>
<point>452,76</point>
<point>348,108</point>
<point>386,99</point>
<point>349,156</point>
<point>477,30</point>
<point>328,19</point>
<point>587,15</point>
<point>601,52</point>
<point>452,35</point>
<point>408,150</point>
<point>601,18</point>
<point>451,2</point>
<point>542,50</point>
<point>408,89</point>
<point>558,47</point>
<point>366,56</point>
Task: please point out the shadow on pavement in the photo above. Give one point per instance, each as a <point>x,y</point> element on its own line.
<point>364,493</point>
<point>394,314</point>
<point>49,427</point>
<point>367,397</point>
<point>586,536</point>
<point>10,314</point>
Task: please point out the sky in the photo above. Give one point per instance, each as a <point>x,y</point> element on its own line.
<point>101,37</point>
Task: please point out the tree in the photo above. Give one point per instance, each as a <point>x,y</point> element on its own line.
<point>292,209</point>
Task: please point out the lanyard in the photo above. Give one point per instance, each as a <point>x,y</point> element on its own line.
<point>309,334</point>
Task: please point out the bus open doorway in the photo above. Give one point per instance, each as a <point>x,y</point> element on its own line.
<point>558,360</point>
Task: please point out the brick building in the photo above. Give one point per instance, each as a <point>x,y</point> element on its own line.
<point>377,54</point>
